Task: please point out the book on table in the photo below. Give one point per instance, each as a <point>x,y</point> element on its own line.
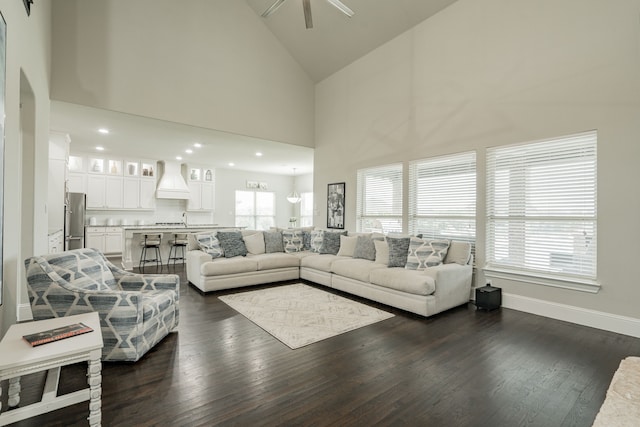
<point>57,334</point>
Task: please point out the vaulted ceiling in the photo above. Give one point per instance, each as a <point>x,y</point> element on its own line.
<point>337,40</point>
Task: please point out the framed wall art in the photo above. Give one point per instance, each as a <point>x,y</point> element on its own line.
<point>335,205</point>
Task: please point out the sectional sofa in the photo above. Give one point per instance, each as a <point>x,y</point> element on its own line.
<point>417,275</point>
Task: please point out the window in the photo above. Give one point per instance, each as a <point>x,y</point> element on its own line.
<point>255,209</point>
<point>442,197</point>
<point>541,208</point>
<point>379,199</point>
<point>306,209</point>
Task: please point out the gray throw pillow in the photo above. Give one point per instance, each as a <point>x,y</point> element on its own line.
<point>273,242</point>
<point>306,240</point>
<point>365,249</point>
<point>398,250</point>
<point>232,243</point>
<point>331,242</point>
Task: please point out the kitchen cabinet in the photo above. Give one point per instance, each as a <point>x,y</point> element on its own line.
<point>139,193</point>
<point>107,240</point>
<point>76,182</point>
<point>104,192</point>
<point>200,196</point>
<point>56,242</point>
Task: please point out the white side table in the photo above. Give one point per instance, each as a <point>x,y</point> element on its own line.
<point>18,358</point>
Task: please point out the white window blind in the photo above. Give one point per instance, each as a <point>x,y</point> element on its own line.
<point>442,197</point>
<point>255,209</point>
<point>306,209</point>
<point>379,199</point>
<point>541,207</point>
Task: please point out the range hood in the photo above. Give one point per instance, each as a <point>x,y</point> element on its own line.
<point>171,184</point>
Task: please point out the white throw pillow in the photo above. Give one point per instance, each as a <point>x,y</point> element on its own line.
<point>347,245</point>
<point>254,243</point>
<point>382,252</point>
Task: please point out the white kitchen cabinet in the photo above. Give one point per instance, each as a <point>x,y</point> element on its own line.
<point>147,194</point>
<point>77,182</point>
<point>200,196</point>
<point>56,242</point>
<point>107,240</point>
<point>104,192</point>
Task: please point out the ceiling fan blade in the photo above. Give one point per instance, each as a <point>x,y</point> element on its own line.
<point>308,21</point>
<point>272,8</point>
<point>342,7</point>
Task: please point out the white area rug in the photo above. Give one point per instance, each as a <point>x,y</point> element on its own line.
<point>621,407</point>
<point>299,315</point>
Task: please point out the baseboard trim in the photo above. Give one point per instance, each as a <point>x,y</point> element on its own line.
<point>24,312</point>
<point>568,313</point>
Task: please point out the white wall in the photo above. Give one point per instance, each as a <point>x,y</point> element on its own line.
<point>206,63</point>
<point>27,70</point>
<point>493,72</point>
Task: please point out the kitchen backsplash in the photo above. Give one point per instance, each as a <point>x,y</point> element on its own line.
<point>166,210</point>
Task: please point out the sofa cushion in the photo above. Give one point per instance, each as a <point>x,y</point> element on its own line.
<point>320,262</point>
<point>222,266</point>
<point>209,243</point>
<point>425,253</point>
<point>410,281</point>
<point>293,240</point>
<point>398,250</point>
<point>365,248</point>
<point>254,242</point>
<point>347,245</point>
<point>275,260</point>
<point>273,242</point>
<point>382,251</point>
<point>331,242</point>
<point>458,253</point>
<point>357,269</point>
<point>232,243</point>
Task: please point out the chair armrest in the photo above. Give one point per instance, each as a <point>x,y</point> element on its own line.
<point>148,282</point>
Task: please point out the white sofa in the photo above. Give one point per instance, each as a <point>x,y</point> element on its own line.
<point>425,292</point>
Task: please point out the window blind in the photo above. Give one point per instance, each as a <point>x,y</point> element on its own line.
<point>255,209</point>
<point>306,209</point>
<point>541,207</point>
<point>442,197</point>
<point>379,199</point>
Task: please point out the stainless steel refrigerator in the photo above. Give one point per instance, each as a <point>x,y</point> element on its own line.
<point>74,213</point>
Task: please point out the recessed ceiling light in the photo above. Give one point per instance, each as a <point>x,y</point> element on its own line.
<point>232,164</point>
<point>259,154</point>
<point>188,151</point>
<point>197,145</point>
<point>100,148</point>
<point>178,158</point>
<point>103,131</point>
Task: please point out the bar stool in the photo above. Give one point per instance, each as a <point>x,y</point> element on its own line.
<point>179,242</point>
<point>151,241</point>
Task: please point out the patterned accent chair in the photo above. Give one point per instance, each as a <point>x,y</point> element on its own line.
<point>136,310</point>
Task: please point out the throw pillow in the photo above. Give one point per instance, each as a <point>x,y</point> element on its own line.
<point>306,240</point>
<point>347,245</point>
<point>316,240</point>
<point>398,249</point>
<point>425,253</point>
<point>273,242</point>
<point>232,243</point>
<point>210,244</point>
<point>382,251</point>
<point>254,243</point>
<point>459,253</point>
<point>292,240</point>
<point>331,242</point>
<point>365,248</point>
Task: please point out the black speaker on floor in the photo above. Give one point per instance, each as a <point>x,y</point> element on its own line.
<point>488,297</point>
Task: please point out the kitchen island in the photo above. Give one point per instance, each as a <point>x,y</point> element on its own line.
<point>133,235</point>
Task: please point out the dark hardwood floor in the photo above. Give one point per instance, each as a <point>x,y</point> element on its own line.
<point>460,368</point>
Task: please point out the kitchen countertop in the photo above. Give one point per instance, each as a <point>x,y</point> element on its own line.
<point>173,227</point>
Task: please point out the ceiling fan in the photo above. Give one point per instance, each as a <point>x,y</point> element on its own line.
<point>306,5</point>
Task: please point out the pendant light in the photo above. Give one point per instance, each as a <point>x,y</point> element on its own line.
<point>294,197</point>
